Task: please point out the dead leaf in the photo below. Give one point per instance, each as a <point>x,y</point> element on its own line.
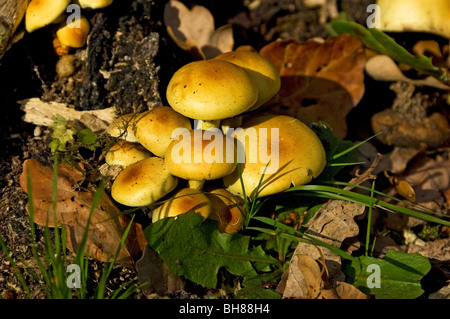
<point>157,276</point>
<point>398,129</point>
<point>194,31</point>
<point>304,279</point>
<point>384,68</point>
<point>347,291</point>
<point>73,205</point>
<point>319,81</point>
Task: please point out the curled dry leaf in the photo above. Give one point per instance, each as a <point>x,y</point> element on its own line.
<point>319,81</point>
<point>73,207</point>
<point>304,280</point>
<point>194,31</point>
<point>383,68</point>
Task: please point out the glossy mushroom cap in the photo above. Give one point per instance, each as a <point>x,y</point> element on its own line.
<point>183,201</point>
<point>74,34</point>
<point>289,153</point>
<point>193,156</point>
<point>43,12</point>
<point>260,69</point>
<point>156,128</point>
<point>125,153</point>
<point>227,209</point>
<point>143,183</point>
<point>211,90</point>
<point>94,4</point>
<point>415,15</point>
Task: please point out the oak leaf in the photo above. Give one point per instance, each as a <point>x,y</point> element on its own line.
<point>194,31</point>
<point>320,81</point>
<point>73,207</point>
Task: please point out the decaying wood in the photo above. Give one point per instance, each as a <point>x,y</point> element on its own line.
<point>11,14</point>
<point>41,113</point>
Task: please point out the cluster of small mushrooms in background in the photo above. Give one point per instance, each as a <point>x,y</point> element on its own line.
<point>211,96</point>
<point>72,30</point>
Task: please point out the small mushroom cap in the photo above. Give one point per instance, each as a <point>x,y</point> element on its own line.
<point>122,127</point>
<point>415,15</point>
<point>74,34</point>
<point>300,156</point>
<point>193,156</point>
<point>143,183</point>
<point>155,129</point>
<point>183,201</point>
<point>125,153</point>
<point>43,12</point>
<point>227,209</point>
<point>211,90</point>
<point>94,4</point>
<point>260,69</point>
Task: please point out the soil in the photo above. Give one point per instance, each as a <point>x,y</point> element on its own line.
<point>127,63</point>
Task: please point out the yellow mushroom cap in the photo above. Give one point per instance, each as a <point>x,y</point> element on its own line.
<point>122,127</point>
<point>300,156</point>
<point>415,15</point>
<point>195,157</point>
<point>155,129</point>
<point>183,201</point>
<point>143,183</point>
<point>125,153</point>
<point>260,69</point>
<point>227,209</point>
<point>94,4</point>
<point>43,12</point>
<point>211,90</point>
<point>74,34</point>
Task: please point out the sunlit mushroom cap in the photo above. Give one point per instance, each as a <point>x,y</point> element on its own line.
<point>415,15</point>
<point>43,12</point>
<point>155,129</point>
<point>74,34</point>
<point>211,90</point>
<point>125,153</point>
<point>183,201</point>
<point>143,183</point>
<point>289,153</point>
<point>227,209</point>
<point>261,70</point>
<point>94,4</point>
<point>193,156</point>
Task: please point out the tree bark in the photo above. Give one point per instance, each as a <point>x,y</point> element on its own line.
<point>11,14</point>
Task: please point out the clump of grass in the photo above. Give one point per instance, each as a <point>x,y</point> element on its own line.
<point>61,278</point>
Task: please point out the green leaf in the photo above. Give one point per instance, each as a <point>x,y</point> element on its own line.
<point>379,41</point>
<point>396,276</point>
<point>87,138</point>
<point>195,249</point>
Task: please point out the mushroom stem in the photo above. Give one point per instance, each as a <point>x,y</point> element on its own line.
<point>206,125</point>
<point>197,185</point>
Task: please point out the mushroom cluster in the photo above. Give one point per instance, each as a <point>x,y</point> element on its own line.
<point>170,153</point>
<point>72,30</point>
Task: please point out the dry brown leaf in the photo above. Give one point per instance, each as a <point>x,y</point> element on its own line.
<point>194,31</point>
<point>319,81</point>
<point>73,207</point>
<point>399,129</point>
<point>304,280</point>
<point>384,68</point>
